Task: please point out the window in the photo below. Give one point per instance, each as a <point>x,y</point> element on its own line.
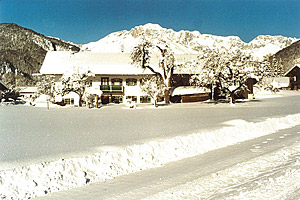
<point>131,81</point>
<point>117,99</point>
<point>116,81</point>
<point>68,101</point>
<point>132,98</point>
<point>104,81</point>
<point>145,99</point>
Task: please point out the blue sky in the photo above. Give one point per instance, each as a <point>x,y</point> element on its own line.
<point>83,21</point>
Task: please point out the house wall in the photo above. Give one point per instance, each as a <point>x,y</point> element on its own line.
<point>129,92</point>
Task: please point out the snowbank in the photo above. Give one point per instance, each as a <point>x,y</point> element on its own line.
<point>46,177</point>
<point>270,176</point>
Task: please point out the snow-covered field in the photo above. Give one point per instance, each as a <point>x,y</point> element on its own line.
<point>46,151</point>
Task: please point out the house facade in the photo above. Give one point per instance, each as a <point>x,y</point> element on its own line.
<point>114,74</point>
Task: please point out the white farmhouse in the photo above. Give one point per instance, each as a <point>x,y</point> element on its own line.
<point>114,75</point>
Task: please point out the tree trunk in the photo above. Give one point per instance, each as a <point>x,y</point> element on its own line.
<point>167,96</point>
<point>231,98</point>
<point>80,103</point>
<point>97,101</point>
<point>155,103</point>
<point>212,89</point>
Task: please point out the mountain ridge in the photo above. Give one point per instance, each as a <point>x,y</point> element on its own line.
<point>289,56</point>
<point>185,42</point>
<point>22,52</point>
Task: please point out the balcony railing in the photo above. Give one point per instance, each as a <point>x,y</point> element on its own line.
<point>111,88</point>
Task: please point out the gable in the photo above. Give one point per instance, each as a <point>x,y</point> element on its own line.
<point>294,71</point>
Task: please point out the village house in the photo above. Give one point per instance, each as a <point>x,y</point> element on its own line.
<point>120,81</point>
<point>116,77</point>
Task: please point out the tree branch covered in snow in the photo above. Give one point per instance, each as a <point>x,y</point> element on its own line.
<point>153,87</point>
<point>227,71</point>
<point>141,57</point>
<point>271,69</point>
<point>76,82</point>
<point>46,85</point>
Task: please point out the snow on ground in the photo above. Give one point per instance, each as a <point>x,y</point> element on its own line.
<point>110,161</point>
<point>272,176</point>
<point>40,179</point>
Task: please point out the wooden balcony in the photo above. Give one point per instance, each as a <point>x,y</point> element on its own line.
<point>112,88</point>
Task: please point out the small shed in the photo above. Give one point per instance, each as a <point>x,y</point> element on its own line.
<point>279,82</point>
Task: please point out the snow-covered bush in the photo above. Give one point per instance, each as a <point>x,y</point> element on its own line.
<point>76,82</point>
<point>10,95</point>
<point>92,95</point>
<point>271,68</point>
<point>46,86</point>
<point>153,87</point>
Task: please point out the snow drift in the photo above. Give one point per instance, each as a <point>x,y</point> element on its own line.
<point>40,179</point>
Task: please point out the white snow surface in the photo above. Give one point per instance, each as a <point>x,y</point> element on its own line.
<point>272,176</point>
<point>40,179</point>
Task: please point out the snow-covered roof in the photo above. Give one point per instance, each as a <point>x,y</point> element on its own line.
<point>58,62</point>
<point>297,65</point>
<point>279,82</point>
<point>28,89</point>
<point>184,90</point>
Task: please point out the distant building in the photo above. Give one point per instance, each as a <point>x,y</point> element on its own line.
<point>294,74</point>
<point>27,92</point>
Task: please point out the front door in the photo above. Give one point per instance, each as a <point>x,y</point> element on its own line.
<point>105,99</point>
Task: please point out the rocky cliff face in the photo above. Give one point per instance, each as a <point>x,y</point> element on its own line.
<point>22,52</point>
<point>289,56</point>
<point>187,42</point>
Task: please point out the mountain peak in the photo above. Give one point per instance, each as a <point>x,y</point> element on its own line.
<point>151,26</point>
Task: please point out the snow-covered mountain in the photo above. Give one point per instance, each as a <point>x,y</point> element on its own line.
<point>187,42</point>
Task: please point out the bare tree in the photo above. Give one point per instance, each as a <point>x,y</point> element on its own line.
<point>141,57</point>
